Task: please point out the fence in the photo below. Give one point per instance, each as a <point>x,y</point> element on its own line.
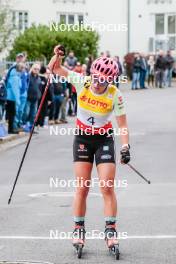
<point>5,65</point>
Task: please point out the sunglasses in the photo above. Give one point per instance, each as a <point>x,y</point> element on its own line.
<point>100,80</point>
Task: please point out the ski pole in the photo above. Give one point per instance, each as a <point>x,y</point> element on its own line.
<point>139,173</point>
<point>30,136</point>
<point>62,50</point>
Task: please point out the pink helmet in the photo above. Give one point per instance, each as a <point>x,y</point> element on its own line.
<point>106,67</point>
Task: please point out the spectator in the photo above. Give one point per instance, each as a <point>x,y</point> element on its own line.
<point>21,57</point>
<point>169,68</point>
<point>23,96</point>
<point>78,68</point>
<point>64,104</point>
<point>136,67</point>
<point>72,109</point>
<point>59,89</point>
<point>107,54</point>
<point>84,69</point>
<point>151,71</point>
<point>33,94</point>
<point>13,82</point>
<point>116,58</point>
<point>143,71</point>
<point>160,68</point>
<point>3,97</point>
<point>70,61</point>
<point>44,75</point>
<point>89,63</point>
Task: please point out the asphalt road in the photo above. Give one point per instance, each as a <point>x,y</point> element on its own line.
<point>147,213</point>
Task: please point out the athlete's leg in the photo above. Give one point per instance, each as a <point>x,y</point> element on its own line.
<point>83,162</point>
<point>106,173</point>
<point>105,161</point>
<point>106,167</point>
<point>83,176</point>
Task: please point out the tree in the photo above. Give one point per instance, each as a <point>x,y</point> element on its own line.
<point>5,24</point>
<point>39,41</point>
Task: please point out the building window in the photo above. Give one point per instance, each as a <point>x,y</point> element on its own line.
<point>71,19</point>
<point>159,24</point>
<point>171,24</point>
<point>160,45</point>
<point>20,20</point>
<point>63,19</point>
<point>70,1</point>
<point>172,43</point>
<point>80,19</point>
<point>26,20</point>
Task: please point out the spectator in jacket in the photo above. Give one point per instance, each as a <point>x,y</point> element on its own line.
<point>33,94</point>
<point>13,84</point>
<point>151,71</point>
<point>44,75</point>
<point>59,90</point>
<point>160,68</point>
<point>136,67</point>
<point>70,61</point>
<point>3,97</point>
<point>169,68</point>
<point>23,97</point>
<point>143,71</point>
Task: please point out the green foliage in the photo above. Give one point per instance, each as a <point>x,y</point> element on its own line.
<point>39,41</point>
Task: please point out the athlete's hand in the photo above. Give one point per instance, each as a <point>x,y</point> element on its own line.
<point>125,155</point>
<point>56,60</point>
<point>59,51</point>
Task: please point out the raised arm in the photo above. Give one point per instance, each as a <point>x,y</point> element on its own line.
<point>55,64</point>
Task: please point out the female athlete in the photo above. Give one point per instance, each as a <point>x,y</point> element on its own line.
<point>97,99</point>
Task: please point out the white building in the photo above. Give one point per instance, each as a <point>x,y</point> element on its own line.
<point>151,23</point>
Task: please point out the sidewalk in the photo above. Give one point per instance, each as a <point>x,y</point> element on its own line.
<point>10,140</point>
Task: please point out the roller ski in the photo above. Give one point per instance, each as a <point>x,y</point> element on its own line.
<point>79,239</point>
<point>111,240</point>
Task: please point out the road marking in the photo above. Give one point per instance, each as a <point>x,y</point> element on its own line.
<point>24,262</point>
<point>60,194</point>
<point>49,238</point>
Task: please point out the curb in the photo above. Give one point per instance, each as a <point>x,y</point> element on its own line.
<point>12,141</point>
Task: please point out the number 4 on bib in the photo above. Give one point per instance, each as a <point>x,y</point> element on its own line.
<point>91,120</point>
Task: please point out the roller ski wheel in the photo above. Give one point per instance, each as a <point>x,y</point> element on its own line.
<point>111,241</point>
<point>79,239</point>
<point>79,250</point>
<point>115,251</point>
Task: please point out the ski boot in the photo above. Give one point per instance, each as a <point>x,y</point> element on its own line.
<point>79,239</point>
<point>111,240</point>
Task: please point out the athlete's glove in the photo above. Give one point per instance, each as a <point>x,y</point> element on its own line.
<point>59,51</point>
<point>125,154</point>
